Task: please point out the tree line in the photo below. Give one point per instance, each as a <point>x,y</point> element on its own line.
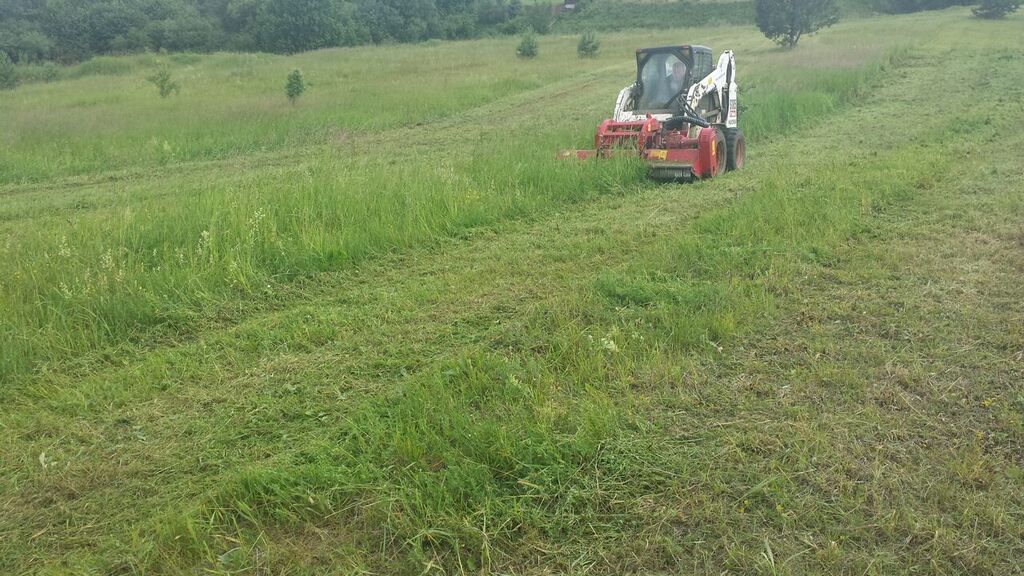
<point>69,31</point>
<point>74,30</point>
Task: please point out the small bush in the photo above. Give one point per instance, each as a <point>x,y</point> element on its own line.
<point>527,45</point>
<point>295,86</point>
<point>46,72</point>
<point>163,82</point>
<point>588,46</point>
<point>8,76</point>
<point>786,21</point>
<point>994,9</point>
<point>102,66</point>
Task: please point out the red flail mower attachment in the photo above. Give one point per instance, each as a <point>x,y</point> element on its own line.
<point>670,152</point>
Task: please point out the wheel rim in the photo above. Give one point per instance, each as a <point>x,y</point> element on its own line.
<point>740,153</point>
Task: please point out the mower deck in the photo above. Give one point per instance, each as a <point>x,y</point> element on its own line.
<point>666,172</point>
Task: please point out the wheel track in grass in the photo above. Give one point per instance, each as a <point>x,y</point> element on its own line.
<point>232,373</point>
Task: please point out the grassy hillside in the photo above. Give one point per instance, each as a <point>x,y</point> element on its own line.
<point>384,331</point>
<point>182,207</point>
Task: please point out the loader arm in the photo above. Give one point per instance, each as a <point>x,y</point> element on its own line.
<point>716,92</point>
<point>624,104</point>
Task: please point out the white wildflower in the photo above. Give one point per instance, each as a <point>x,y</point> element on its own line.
<point>63,249</point>
<point>204,242</point>
<point>608,344</point>
<point>107,260</point>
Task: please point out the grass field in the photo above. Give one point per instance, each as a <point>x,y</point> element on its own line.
<point>382,331</point>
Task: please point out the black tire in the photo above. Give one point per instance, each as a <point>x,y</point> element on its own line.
<point>735,149</point>
<point>722,160</point>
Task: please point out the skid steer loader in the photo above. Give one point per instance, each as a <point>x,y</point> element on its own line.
<point>679,115</point>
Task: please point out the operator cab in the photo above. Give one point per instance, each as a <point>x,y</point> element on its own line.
<point>664,74</point>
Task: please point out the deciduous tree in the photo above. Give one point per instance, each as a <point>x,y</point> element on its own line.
<point>786,21</point>
<point>994,9</point>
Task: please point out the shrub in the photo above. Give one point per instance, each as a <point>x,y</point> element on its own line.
<point>588,46</point>
<point>23,41</point>
<point>163,82</point>
<point>785,21</point>
<point>993,9</point>
<point>102,66</point>
<point>527,45</point>
<point>8,76</point>
<point>46,72</point>
<point>295,86</point>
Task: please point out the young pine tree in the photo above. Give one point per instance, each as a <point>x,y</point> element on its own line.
<point>588,46</point>
<point>785,21</point>
<point>527,45</point>
<point>163,82</point>
<point>295,86</point>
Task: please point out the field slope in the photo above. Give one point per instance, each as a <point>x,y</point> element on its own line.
<point>418,345</point>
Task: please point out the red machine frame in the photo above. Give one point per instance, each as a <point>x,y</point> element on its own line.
<point>671,153</point>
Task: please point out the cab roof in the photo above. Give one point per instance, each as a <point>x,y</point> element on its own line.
<point>673,48</point>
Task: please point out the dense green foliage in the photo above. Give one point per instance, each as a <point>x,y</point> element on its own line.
<point>537,17</point>
<point>527,45</point>
<point>8,75</point>
<point>588,45</point>
<point>785,21</point>
<point>69,30</point>
<point>295,86</point>
<point>995,9</point>
<point>161,78</point>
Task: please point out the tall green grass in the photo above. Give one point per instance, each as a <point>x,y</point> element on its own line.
<point>107,117</point>
<point>138,269</point>
<point>483,438</point>
<point>153,267</point>
<point>788,98</point>
<point>469,460</point>
<point>584,418</point>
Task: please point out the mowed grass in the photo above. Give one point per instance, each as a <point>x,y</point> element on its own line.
<point>131,236</point>
<point>810,367</point>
